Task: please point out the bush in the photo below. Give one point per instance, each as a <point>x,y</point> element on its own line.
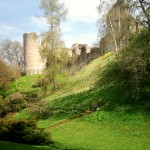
<point>32,97</point>
<point>41,109</point>
<point>12,103</point>
<point>1,101</point>
<point>5,75</point>
<point>24,131</point>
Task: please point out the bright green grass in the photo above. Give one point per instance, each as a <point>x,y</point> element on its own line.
<point>22,114</point>
<point>85,79</point>
<point>16,146</point>
<point>44,123</point>
<point>23,84</point>
<point>85,135</point>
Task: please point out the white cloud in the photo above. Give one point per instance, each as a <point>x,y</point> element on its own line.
<point>82,8</point>
<point>86,38</point>
<point>10,32</point>
<point>39,22</point>
<point>67,27</point>
<point>7,29</point>
<point>80,12</point>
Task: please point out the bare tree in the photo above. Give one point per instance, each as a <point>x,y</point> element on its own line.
<point>11,52</point>
<point>142,9</point>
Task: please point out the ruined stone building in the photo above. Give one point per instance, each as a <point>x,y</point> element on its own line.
<point>120,24</point>
<point>35,65</point>
<point>85,54</point>
<point>33,61</point>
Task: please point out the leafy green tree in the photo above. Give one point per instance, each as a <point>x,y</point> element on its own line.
<point>134,60</point>
<point>54,12</point>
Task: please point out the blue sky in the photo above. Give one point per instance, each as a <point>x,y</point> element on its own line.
<point>19,16</point>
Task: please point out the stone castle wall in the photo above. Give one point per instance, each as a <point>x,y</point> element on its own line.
<point>33,61</point>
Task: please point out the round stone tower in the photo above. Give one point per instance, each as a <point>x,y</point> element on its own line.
<point>33,61</point>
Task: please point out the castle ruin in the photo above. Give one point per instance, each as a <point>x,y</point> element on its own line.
<point>33,61</point>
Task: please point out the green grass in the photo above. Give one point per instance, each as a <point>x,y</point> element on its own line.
<point>121,124</point>
<point>102,136</point>
<point>85,79</point>
<point>26,84</point>
<point>15,146</point>
<point>22,114</point>
<point>23,84</point>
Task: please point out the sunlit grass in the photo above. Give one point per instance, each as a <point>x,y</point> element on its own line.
<point>85,79</point>
<point>85,135</point>
<point>23,84</point>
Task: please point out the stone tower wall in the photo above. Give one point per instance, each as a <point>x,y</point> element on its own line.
<point>33,61</point>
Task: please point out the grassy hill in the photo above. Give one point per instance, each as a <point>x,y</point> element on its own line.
<point>85,79</point>
<point>94,111</point>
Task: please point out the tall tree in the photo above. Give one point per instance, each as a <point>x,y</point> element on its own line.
<point>142,9</point>
<point>54,12</point>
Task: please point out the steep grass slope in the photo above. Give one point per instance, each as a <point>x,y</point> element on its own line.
<point>85,79</point>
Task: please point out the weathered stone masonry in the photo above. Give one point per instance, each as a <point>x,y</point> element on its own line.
<point>33,61</point>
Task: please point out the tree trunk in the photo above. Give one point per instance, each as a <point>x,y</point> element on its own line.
<point>113,34</point>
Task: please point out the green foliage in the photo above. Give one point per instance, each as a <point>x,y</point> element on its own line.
<point>56,63</point>
<point>1,101</point>
<point>24,131</point>
<point>134,62</point>
<point>41,110</point>
<point>52,49</point>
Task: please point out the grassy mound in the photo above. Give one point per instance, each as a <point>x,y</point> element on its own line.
<point>85,79</point>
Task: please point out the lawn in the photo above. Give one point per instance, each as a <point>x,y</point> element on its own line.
<point>102,136</point>
<point>16,146</point>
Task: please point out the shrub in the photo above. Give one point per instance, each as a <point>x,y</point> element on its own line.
<point>12,103</point>
<point>5,75</point>
<point>41,109</point>
<point>1,101</point>
<point>32,97</point>
<point>24,131</point>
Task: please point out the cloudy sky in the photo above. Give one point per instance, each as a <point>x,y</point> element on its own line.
<point>19,16</point>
